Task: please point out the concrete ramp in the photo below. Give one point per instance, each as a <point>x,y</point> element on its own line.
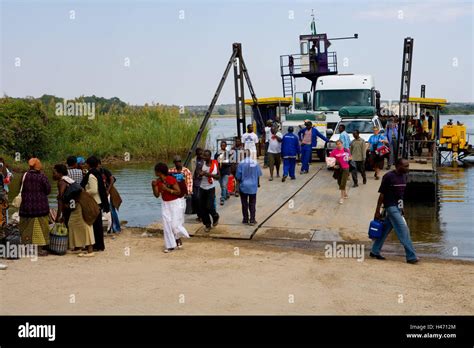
<point>305,209</point>
<point>315,213</point>
<point>270,198</point>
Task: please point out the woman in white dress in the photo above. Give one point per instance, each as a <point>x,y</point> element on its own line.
<point>167,187</point>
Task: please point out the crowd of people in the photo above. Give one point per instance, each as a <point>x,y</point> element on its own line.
<point>86,189</point>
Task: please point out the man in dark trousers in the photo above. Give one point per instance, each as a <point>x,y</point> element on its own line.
<point>391,192</point>
<point>358,153</point>
<point>248,173</point>
<point>209,175</point>
<point>197,165</point>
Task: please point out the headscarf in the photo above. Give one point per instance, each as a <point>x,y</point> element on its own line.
<point>35,164</point>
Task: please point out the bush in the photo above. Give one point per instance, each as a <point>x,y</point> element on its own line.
<point>146,133</point>
<point>23,128</point>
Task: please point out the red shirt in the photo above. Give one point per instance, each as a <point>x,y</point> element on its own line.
<point>170,181</point>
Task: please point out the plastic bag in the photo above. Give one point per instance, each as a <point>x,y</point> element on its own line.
<point>330,162</point>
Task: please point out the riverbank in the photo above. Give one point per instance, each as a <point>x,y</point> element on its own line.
<point>215,276</point>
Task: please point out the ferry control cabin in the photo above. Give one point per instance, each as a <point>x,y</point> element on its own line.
<point>313,61</point>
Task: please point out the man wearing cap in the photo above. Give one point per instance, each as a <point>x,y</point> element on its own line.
<point>72,170</point>
<point>268,135</point>
<point>308,139</point>
<point>290,148</point>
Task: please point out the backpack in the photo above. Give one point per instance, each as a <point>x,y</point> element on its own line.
<point>72,192</point>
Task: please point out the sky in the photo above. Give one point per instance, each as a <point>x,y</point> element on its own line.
<point>175,52</point>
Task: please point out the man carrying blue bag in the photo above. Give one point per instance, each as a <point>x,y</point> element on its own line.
<point>391,192</point>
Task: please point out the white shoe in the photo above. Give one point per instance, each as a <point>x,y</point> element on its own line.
<point>3,266</point>
<point>341,201</point>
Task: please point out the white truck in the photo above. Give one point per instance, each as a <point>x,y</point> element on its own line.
<point>332,92</point>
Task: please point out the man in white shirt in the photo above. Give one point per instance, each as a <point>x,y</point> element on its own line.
<point>250,141</point>
<point>274,151</point>
<point>268,134</point>
<point>209,174</point>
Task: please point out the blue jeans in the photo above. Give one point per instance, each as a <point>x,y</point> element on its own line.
<point>223,181</point>
<point>289,165</point>
<point>393,147</point>
<point>395,220</point>
<point>115,219</point>
<point>305,156</point>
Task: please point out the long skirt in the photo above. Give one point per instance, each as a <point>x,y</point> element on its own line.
<point>172,213</point>
<point>34,230</point>
<point>80,233</point>
<point>3,213</point>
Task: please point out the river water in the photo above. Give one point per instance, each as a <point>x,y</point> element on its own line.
<point>444,228</point>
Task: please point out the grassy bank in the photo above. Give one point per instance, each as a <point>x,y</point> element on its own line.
<point>135,134</point>
<point>155,133</point>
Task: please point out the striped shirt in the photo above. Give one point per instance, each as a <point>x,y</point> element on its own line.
<point>75,174</point>
<point>187,175</point>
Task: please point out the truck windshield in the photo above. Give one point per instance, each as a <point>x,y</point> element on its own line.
<point>363,126</point>
<point>336,99</point>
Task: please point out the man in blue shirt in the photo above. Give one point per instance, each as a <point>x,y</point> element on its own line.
<point>247,175</point>
<point>344,137</point>
<point>290,148</point>
<point>392,138</point>
<point>308,138</point>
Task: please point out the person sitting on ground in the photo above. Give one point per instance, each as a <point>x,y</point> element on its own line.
<point>166,187</point>
<point>392,190</point>
<point>248,173</point>
<point>342,156</point>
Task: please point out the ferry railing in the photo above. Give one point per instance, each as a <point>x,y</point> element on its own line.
<point>298,67</point>
<point>415,150</point>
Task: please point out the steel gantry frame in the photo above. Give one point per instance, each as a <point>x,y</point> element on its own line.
<point>240,73</point>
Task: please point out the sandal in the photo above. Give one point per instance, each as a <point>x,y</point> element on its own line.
<point>86,254</point>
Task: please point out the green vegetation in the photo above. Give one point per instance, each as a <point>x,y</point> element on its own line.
<point>147,133</point>
<point>458,109</point>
